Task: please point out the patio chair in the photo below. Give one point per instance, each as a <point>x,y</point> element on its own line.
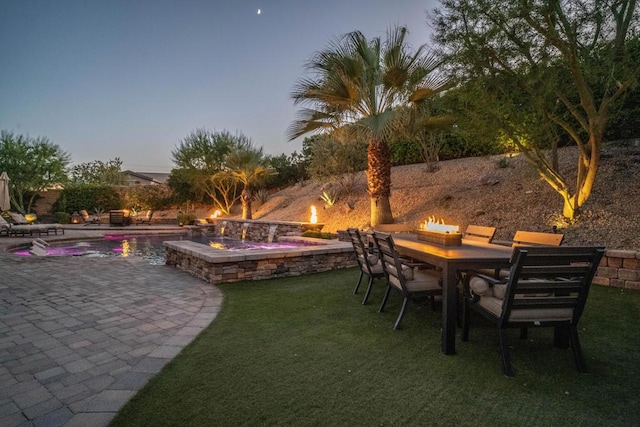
<point>410,281</point>
<point>19,219</point>
<point>479,233</point>
<point>21,229</point>
<point>526,238</point>
<point>534,238</point>
<point>476,233</point>
<point>547,286</point>
<point>369,263</point>
<point>143,219</point>
<point>90,219</point>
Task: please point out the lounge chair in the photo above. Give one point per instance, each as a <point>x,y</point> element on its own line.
<point>90,219</point>
<point>547,286</point>
<point>5,227</point>
<point>21,229</point>
<point>143,219</point>
<point>19,219</point>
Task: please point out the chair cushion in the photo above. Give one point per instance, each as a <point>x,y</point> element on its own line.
<point>494,306</point>
<point>499,291</point>
<point>377,268</point>
<point>408,272</point>
<point>480,286</point>
<point>425,280</point>
<point>18,218</point>
<point>373,259</point>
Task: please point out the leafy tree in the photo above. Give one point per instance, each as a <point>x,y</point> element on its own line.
<point>624,124</point>
<point>226,191</point>
<point>248,166</point>
<point>541,67</point>
<point>204,150</point>
<point>331,158</point>
<point>141,197</point>
<point>355,88</point>
<point>33,165</point>
<point>92,197</point>
<point>181,183</point>
<point>99,172</point>
<point>199,159</point>
<point>290,169</point>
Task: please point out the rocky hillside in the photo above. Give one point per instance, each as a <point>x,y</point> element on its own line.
<point>486,191</point>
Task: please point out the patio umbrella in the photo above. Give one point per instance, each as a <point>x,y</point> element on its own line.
<point>5,202</point>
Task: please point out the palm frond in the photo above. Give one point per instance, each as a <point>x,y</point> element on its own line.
<point>359,82</point>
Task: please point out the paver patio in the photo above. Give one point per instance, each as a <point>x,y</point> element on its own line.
<point>79,336</point>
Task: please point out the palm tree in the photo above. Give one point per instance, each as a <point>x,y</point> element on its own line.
<point>356,88</point>
<point>247,165</point>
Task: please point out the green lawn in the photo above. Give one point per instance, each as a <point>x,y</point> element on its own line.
<point>304,351</point>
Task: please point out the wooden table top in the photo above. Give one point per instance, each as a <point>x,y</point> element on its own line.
<point>469,250</point>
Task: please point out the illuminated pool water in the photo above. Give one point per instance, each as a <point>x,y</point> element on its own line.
<point>147,246</point>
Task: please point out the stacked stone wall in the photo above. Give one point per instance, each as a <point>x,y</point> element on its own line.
<point>220,266</point>
<point>254,230</point>
<point>619,269</point>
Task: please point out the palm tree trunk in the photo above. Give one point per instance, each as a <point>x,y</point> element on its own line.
<point>379,181</point>
<point>246,203</point>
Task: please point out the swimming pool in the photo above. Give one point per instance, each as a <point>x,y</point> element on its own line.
<point>147,246</point>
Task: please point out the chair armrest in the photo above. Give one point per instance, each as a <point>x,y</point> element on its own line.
<point>492,280</point>
<point>409,262</point>
<point>483,286</point>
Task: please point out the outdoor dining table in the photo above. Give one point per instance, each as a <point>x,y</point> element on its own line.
<point>452,259</point>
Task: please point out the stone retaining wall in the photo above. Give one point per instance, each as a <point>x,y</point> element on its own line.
<point>223,266</point>
<point>254,230</point>
<point>620,269</point>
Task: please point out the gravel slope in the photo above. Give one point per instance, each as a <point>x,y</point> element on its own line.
<point>478,191</point>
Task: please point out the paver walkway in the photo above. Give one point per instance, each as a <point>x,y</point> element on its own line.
<point>79,336</point>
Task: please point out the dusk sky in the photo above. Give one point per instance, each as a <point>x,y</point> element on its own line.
<point>132,78</point>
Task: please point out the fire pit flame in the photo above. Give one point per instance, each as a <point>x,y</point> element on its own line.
<point>439,226</point>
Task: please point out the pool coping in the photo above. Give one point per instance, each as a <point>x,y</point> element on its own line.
<point>214,255</point>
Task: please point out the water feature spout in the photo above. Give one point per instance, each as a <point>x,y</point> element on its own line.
<point>224,225</point>
<point>272,232</point>
<point>245,226</point>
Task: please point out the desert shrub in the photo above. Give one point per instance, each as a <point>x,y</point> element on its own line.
<point>502,163</point>
<point>261,195</point>
<point>186,218</point>
<point>62,217</point>
<point>329,196</point>
<point>349,183</point>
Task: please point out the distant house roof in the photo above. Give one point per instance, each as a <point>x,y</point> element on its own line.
<point>145,178</point>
